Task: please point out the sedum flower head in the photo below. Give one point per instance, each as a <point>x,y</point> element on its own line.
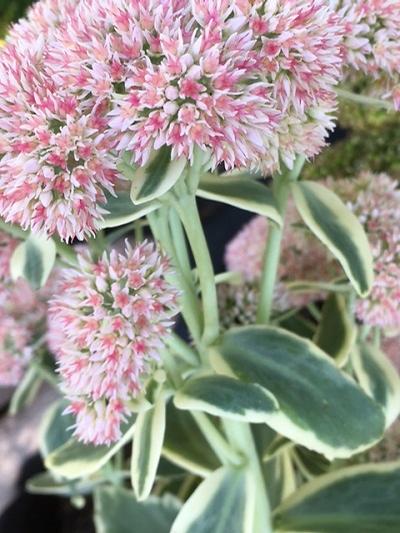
<point>22,314</point>
<point>372,42</point>
<point>303,258</point>
<point>248,82</point>
<point>108,324</point>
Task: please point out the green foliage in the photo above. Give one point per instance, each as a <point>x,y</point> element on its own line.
<point>33,260</point>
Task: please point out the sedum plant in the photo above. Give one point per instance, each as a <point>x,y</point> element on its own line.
<point>267,409</point>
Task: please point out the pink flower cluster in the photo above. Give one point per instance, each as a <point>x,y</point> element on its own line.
<point>107,326</point>
<point>248,82</point>
<point>375,199</point>
<point>22,315</point>
<point>303,259</point>
<point>372,42</point>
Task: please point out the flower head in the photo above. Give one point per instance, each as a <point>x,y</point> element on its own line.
<point>108,324</point>
<point>22,313</point>
<point>372,43</point>
<point>303,258</point>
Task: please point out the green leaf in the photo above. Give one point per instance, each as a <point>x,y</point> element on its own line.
<point>223,502</point>
<point>44,483</point>
<point>321,408</point>
<point>226,397</point>
<point>26,391</point>
<point>121,210</point>
<point>358,499</point>
<point>245,194</point>
<point>55,430</point>
<point>185,445</point>
<point>379,378</point>
<point>33,260</point>
<point>146,450</point>
<point>336,332</point>
<point>339,229</point>
<point>157,177</point>
<point>117,511</point>
<point>75,459</point>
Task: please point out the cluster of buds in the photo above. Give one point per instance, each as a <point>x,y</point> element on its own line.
<point>107,326</point>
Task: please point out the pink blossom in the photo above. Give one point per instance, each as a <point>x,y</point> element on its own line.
<point>22,313</point>
<point>303,258</point>
<point>107,326</point>
<point>372,43</point>
<point>391,347</point>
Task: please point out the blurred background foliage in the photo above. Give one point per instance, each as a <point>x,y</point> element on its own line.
<point>10,11</point>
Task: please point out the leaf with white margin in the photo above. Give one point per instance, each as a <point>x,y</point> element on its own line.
<point>379,378</point>
<point>33,260</point>
<point>117,511</point>
<point>185,445</point>
<point>226,397</point>
<point>321,408</point>
<point>336,331</point>
<point>147,447</point>
<point>223,502</point>
<point>157,177</point>
<point>75,459</point>
<point>339,229</point>
<point>120,210</point>
<point>357,499</point>
<point>238,192</point>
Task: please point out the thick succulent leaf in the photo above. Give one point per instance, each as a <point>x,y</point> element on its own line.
<point>336,331</point>
<point>223,502</point>
<point>157,177</point>
<point>75,459</point>
<point>358,499</point>
<point>226,397</point>
<point>185,445</point>
<point>146,449</point>
<point>243,193</point>
<point>320,407</point>
<point>33,260</point>
<point>55,430</point>
<point>339,229</point>
<point>121,210</point>
<point>117,511</point>
<point>25,391</point>
<point>379,378</point>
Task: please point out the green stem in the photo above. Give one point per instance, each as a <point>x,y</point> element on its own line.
<point>240,435</point>
<point>186,207</point>
<point>183,350</point>
<point>224,451</point>
<point>364,100</point>
<point>138,231</point>
<point>281,187</point>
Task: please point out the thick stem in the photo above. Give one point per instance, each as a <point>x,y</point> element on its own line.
<point>272,254</point>
<point>186,207</point>
<point>239,434</point>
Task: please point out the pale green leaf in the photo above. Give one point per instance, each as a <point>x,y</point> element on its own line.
<point>45,484</point>
<point>226,397</point>
<point>357,499</point>
<point>75,459</point>
<point>146,449</point>
<point>33,260</point>
<point>321,408</point>
<point>25,391</point>
<point>121,210</point>
<point>245,194</point>
<point>185,445</point>
<point>339,229</point>
<point>157,177</point>
<point>117,511</point>
<point>379,378</point>
<point>55,429</point>
<point>223,502</point>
